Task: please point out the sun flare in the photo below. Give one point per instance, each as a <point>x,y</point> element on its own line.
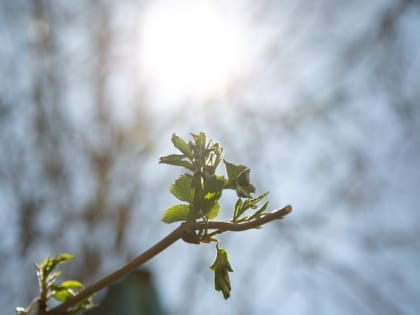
<point>190,51</point>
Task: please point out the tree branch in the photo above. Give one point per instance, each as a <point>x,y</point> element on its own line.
<point>222,226</point>
<point>184,229</point>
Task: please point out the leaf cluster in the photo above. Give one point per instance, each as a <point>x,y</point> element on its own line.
<point>199,189</point>
<point>243,205</point>
<point>49,288</point>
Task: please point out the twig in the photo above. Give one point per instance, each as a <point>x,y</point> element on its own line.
<point>178,233</point>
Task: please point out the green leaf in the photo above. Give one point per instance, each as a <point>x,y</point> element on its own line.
<point>214,184</point>
<point>66,289</point>
<point>47,265</point>
<point>63,258</point>
<point>233,171</point>
<point>221,268</point>
<point>182,146</point>
<point>214,155</point>
<point>238,179</point>
<point>177,160</point>
<point>213,212</point>
<point>259,211</point>
<point>62,295</point>
<point>206,198</point>
<point>180,212</point>
<point>182,188</point>
<point>200,139</point>
<point>251,203</point>
<point>72,284</point>
<point>244,188</point>
<point>238,207</point>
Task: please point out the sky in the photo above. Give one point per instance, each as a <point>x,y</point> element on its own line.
<point>319,99</point>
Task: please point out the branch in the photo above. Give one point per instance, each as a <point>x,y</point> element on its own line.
<point>222,226</point>
<point>179,233</point>
<point>132,265</point>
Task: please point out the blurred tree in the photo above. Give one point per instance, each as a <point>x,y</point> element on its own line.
<point>133,295</point>
<point>64,169</point>
<point>329,118</point>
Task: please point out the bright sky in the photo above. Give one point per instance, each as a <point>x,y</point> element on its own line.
<point>191,51</point>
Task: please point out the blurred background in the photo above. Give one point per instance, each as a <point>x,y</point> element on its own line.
<point>319,98</point>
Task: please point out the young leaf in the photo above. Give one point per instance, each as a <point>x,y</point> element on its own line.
<point>66,289</point>
<point>238,207</point>
<point>62,295</point>
<point>182,146</point>
<point>180,212</point>
<point>250,203</point>
<point>214,155</point>
<point>221,268</point>
<point>244,188</point>
<point>182,188</point>
<point>206,197</point>
<point>44,269</point>
<point>214,184</point>
<point>177,160</point>
<point>259,211</point>
<point>213,211</point>
<point>72,284</point>
<point>62,258</point>
<point>200,140</point>
<point>233,171</point>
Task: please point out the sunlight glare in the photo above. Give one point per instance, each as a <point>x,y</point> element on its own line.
<point>190,51</point>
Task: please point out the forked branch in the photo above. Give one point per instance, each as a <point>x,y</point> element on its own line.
<point>218,227</point>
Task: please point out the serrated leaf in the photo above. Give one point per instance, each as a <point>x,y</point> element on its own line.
<point>182,188</point>
<point>182,146</point>
<point>179,212</point>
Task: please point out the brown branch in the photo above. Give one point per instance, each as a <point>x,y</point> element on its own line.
<point>132,265</point>
<point>180,232</point>
<point>251,224</point>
